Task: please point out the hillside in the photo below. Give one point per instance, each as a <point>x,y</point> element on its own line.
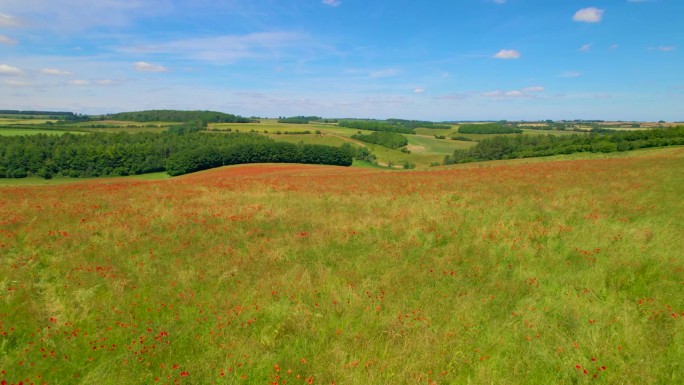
<point>519,272</point>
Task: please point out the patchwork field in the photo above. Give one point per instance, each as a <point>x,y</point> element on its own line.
<point>29,131</point>
<point>563,271</point>
<point>426,149</point>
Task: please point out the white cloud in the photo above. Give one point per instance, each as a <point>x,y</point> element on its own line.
<point>570,74</point>
<point>230,48</point>
<point>588,15</point>
<point>386,73</point>
<point>666,48</point>
<point>79,82</point>
<point>419,90</point>
<point>585,48</point>
<point>8,70</point>
<point>147,67</point>
<point>614,46</point>
<point>332,3</point>
<point>527,92</point>
<point>55,72</point>
<point>8,20</point>
<point>7,40</point>
<point>68,16</point>
<point>105,82</point>
<point>507,54</point>
<point>17,83</point>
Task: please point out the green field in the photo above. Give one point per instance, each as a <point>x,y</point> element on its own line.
<point>30,131</point>
<point>526,271</point>
<point>14,121</point>
<point>426,149</point>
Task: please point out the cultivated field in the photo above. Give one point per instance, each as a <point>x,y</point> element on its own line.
<point>4,131</point>
<point>567,271</point>
<point>426,149</point>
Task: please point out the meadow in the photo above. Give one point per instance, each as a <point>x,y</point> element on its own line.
<point>425,148</point>
<point>5,131</point>
<point>563,270</point>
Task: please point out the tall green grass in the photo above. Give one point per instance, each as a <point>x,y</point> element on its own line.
<point>513,273</point>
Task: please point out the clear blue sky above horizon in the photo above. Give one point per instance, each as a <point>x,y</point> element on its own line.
<point>433,60</point>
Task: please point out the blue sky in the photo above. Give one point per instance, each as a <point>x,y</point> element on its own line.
<point>434,60</point>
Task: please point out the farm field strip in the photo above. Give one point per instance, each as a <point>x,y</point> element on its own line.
<point>31,131</point>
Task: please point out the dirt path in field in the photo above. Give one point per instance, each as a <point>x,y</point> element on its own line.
<point>349,140</point>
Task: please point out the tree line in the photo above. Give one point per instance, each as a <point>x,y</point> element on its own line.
<point>299,119</point>
<point>177,116</point>
<point>527,146</point>
<point>198,159</point>
<point>375,125</point>
<point>488,128</point>
<point>120,154</point>
<point>419,124</point>
<point>387,139</point>
<point>36,113</point>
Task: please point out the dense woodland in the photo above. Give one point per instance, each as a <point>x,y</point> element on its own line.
<point>527,146</point>
<point>387,139</point>
<point>196,159</point>
<point>488,128</point>
<point>177,116</point>
<point>102,154</point>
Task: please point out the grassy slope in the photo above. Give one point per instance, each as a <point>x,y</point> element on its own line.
<point>19,131</point>
<point>426,149</point>
<point>431,149</point>
<point>25,121</point>
<point>515,272</point>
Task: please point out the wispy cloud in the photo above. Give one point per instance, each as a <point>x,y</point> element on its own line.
<point>570,74</point>
<point>527,92</point>
<point>55,72</point>
<point>585,48</point>
<point>332,3</point>
<point>499,1</point>
<point>8,70</point>
<point>454,96</point>
<point>8,20</point>
<point>588,15</point>
<point>385,73</point>
<point>17,83</point>
<point>666,48</point>
<point>230,48</point>
<point>419,90</point>
<point>106,82</point>
<point>507,54</point>
<point>95,82</point>
<point>7,40</point>
<point>68,16</point>
<point>148,67</point>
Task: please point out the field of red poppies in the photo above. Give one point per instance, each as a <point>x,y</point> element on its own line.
<point>566,271</point>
